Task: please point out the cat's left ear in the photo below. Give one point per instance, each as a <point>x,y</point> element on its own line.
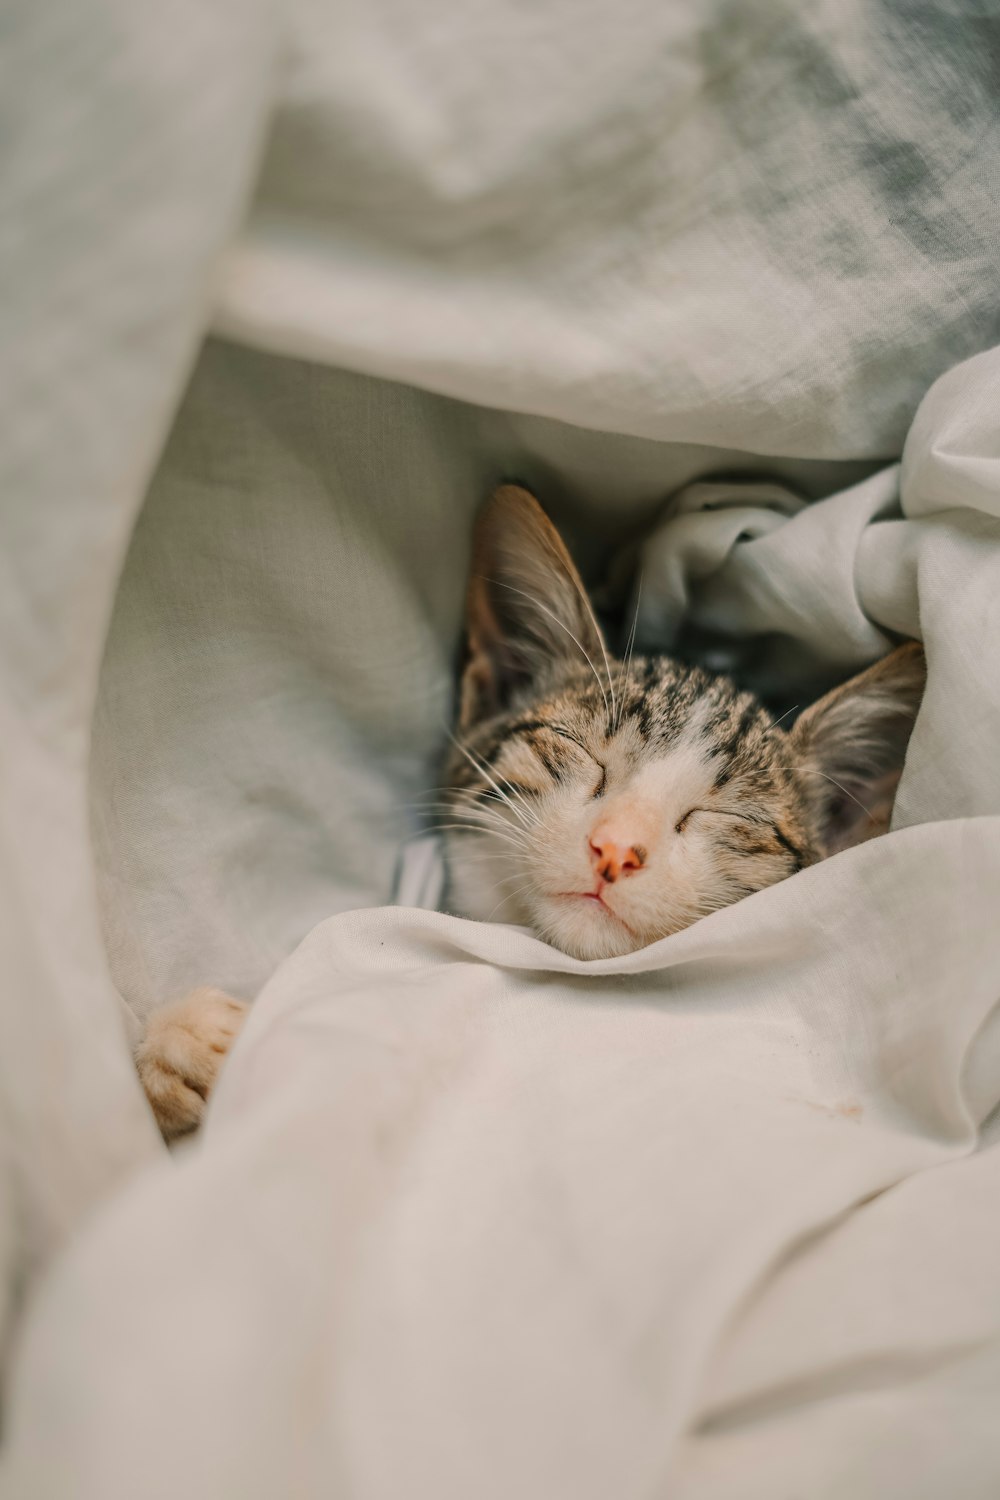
<point>526,606</point>
<point>853,742</point>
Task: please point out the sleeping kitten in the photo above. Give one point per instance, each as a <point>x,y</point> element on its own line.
<point>605,804</point>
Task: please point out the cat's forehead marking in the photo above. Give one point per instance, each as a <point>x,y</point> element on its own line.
<point>675,773</point>
<point>664,713</point>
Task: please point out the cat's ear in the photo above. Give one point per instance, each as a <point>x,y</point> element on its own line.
<point>852,744</point>
<point>526,605</point>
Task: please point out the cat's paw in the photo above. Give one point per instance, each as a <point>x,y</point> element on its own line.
<point>184,1047</point>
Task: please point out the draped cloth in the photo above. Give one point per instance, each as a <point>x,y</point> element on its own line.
<point>285,295</point>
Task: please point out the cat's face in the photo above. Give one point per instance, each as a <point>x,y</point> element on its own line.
<point>608,805</point>
<point>606,828</point>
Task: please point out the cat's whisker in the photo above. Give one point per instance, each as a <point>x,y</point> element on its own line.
<point>479,765</point>
<point>815,771</point>
<point>483,801</point>
<point>528,817</point>
<point>483,833</point>
<point>449,797</point>
<point>429,812</point>
<point>453,791</point>
<point>530,814</point>
<point>487,859</point>
<point>501,829</point>
<point>555,618</point>
<point>630,644</point>
<point>477,810</point>
<point>526,886</point>
<point>450,804</point>
<point>529,810</point>
<point>486,818</point>
<point>501,903</point>
<point>493,812</point>
<point>604,652</point>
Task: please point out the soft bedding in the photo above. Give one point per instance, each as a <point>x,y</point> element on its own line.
<point>470,1217</point>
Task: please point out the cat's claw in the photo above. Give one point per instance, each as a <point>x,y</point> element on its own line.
<point>180,1056</point>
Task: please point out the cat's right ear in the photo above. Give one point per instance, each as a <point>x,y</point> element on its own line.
<point>855,740</point>
<point>526,605</point>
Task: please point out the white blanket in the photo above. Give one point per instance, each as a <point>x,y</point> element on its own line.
<point>468,1217</point>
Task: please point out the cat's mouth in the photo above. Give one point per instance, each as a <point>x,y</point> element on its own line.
<point>596,899</point>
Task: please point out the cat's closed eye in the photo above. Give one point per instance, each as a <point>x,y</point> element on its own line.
<point>712,812</point>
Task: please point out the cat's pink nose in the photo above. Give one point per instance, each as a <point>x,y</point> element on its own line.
<point>613,857</point>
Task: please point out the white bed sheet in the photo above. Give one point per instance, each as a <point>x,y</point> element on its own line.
<point>465,1218</point>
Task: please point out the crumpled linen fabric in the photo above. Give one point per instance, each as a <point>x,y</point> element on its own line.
<point>469,1217</point>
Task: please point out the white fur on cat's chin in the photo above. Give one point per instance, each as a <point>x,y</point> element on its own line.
<point>487,890</point>
<point>583,930</point>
